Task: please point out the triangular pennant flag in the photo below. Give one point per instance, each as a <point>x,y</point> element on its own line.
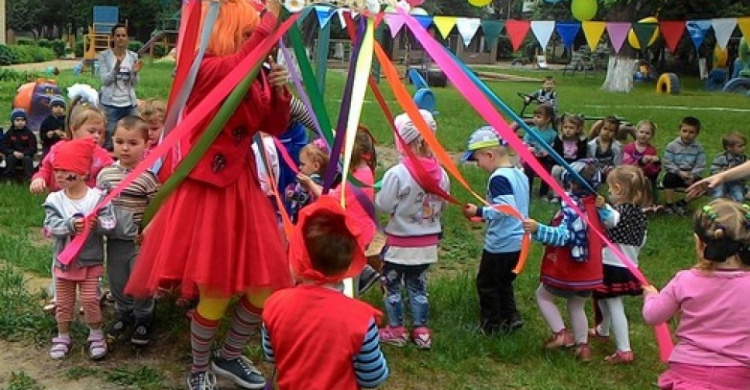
<point>697,30</point>
<point>723,29</point>
<point>517,30</point>
<point>444,24</point>
<point>568,32</point>
<point>491,30</point>
<point>467,27</point>
<point>644,32</point>
<point>424,20</point>
<point>617,32</point>
<point>395,22</point>
<point>744,24</point>
<point>672,31</point>
<point>340,13</point>
<point>324,14</point>
<point>303,14</point>
<point>593,32</point>
<point>542,30</point>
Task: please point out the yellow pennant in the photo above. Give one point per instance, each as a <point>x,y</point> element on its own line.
<point>361,74</point>
<point>744,24</point>
<point>593,32</point>
<point>445,24</point>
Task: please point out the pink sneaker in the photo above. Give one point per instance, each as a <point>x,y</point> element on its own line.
<point>620,358</point>
<point>396,336</point>
<point>561,339</point>
<point>421,337</point>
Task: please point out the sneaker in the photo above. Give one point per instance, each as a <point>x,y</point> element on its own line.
<point>142,333</point>
<point>239,370</point>
<point>515,322</point>
<point>394,335</point>
<point>421,337</point>
<point>367,279</point>
<point>201,381</point>
<point>583,352</point>
<point>620,358</point>
<point>561,339</point>
<point>554,200</point>
<point>594,334</point>
<point>119,328</point>
<point>50,308</point>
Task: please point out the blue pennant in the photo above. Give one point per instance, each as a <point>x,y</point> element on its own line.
<point>568,32</point>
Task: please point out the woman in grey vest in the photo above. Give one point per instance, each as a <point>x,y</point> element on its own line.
<point>118,68</point>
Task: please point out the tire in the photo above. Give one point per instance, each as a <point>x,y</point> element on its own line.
<point>739,85</point>
<point>668,83</point>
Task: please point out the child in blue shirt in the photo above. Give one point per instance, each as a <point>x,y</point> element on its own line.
<point>544,126</point>
<point>507,185</point>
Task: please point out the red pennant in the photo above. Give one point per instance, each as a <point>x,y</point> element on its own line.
<point>672,32</point>
<point>517,31</point>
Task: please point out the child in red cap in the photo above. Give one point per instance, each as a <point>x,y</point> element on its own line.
<point>314,322</point>
<point>64,218</point>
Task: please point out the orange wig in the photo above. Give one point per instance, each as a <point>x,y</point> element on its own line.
<point>237,18</point>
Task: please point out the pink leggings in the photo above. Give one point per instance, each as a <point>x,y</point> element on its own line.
<point>66,299</point>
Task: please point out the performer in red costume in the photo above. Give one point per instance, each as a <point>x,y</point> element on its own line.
<point>216,235</point>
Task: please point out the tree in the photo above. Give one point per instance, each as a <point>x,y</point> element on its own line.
<point>22,15</point>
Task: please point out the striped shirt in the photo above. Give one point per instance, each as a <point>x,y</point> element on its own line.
<point>134,199</point>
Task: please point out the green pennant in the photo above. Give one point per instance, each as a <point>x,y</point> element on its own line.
<point>644,31</point>
<point>491,30</point>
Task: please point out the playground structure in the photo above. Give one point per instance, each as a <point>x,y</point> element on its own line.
<point>740,82</point>
<point>166,35</point>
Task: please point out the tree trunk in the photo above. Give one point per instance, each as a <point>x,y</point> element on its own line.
<point>619,74</point>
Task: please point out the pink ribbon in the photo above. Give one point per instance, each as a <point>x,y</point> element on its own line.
<point>190,122</point>
<point>484,108</point>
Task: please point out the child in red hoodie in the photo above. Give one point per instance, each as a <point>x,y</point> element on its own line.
<point>314,322</point>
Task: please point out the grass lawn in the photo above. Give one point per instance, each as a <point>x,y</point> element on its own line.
<point>460,358</point>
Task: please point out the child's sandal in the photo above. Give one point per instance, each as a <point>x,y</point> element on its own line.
<point>60,348</point>
<point>97,347</point>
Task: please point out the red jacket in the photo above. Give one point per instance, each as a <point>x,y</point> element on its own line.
<point>263,109</point>
<point>560,271</point>
<point>316,333</point>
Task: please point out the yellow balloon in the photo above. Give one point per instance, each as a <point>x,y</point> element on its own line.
<point>633,40</point>
<point>480,3</point>
<point>583,10</point>
<point>720,57</point>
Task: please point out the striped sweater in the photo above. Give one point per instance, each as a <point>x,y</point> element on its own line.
<point>131,203</point>
<point>682,157</point>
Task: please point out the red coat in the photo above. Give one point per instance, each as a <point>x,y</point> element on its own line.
<point>316,333</point>
<point>264,109</point>
<point>560,271</point>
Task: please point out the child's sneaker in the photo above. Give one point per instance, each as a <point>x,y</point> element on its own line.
<point>561,339</point>
<point>97,345</point>
<point>60,347</point>
<point>620,358</point>
<point>118,329</point>
<point>594,334</point>
<point>421,337</point>
<point>396,336</point>
<point>583,352</point>
<point>142,334</point>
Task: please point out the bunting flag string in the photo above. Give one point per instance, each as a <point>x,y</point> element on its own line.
<point>444,24</point>
<point>395,24</point>
<point>617,32</point>
<point>467,28</point>
<point>723,29</point>
<point>672,31</point>
<point>568,32</point>
<point>697,30</point>
<point>517,31</point>
<point>324,14</point>
<point>491,30</point>
<point>593,32</point>
<point>645,32</point>
<point>744,25</point>
<point>543,30</point>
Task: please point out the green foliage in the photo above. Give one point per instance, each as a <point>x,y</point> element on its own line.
<point>140,377</point>
<point>22,54</point>
<point>7,56</point>
<point>20,381</point>
<point>160,50</point>
<point>78,50</point>
<point>42,42</point>
<point>59,47</point>
<point>25,42</point>
<point>135,46</point>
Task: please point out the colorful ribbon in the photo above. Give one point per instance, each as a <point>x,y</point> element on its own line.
<point>480,103</point>
<point>189,123</point>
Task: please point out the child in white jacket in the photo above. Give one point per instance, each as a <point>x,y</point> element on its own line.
<point>412,234</point>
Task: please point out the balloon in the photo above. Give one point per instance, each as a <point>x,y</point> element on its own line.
<point>418,11</point>
<point>633,40</point>
<point>583,9</point>
<point>480,3</point>
<point>720,57</point>
<point>415,3</point>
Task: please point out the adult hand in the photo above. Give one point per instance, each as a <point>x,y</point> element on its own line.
<point>649,289</point>
<point>702,186</point>
<point>137,66</point>
<point>278,76</point>
<point>470,210</point>
<point>530,225</point>
<point>37,186</point>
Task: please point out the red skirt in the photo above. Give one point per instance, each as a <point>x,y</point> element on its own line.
<point>223,240</point>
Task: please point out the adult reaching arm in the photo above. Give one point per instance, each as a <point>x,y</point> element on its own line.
<point>737,173</point>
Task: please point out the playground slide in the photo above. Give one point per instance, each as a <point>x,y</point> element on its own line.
<point>156,38</point>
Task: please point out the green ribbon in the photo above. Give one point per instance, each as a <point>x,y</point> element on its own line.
<point>324,42</point>
<point>199,149</point>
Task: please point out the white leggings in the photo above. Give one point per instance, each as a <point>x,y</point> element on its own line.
<point>614,318</point>
<point>551,314</point>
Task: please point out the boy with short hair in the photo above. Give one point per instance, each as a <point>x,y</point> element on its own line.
<point>733,155</point>
<point>684,161</point>
<point>19,145</point>
<point>605,149</point>
<point>318,337</point>
<point>53,127</point>
<point>546,94</point>
<point>507,185</point>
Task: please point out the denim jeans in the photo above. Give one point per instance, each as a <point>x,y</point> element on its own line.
<point>414,278</point>
<point>114,114</point>
<point>734,190</point>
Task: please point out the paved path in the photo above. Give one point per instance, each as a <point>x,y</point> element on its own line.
<point>42,66</point>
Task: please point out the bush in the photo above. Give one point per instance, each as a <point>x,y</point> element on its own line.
<point>59,47</point>
<point>44,43</point>
<point>160,50</point>
<point>24,54</point>
<point>7,56</point>
<point>25,42</point>
<point>135,46</point>
<point>79,49</point>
